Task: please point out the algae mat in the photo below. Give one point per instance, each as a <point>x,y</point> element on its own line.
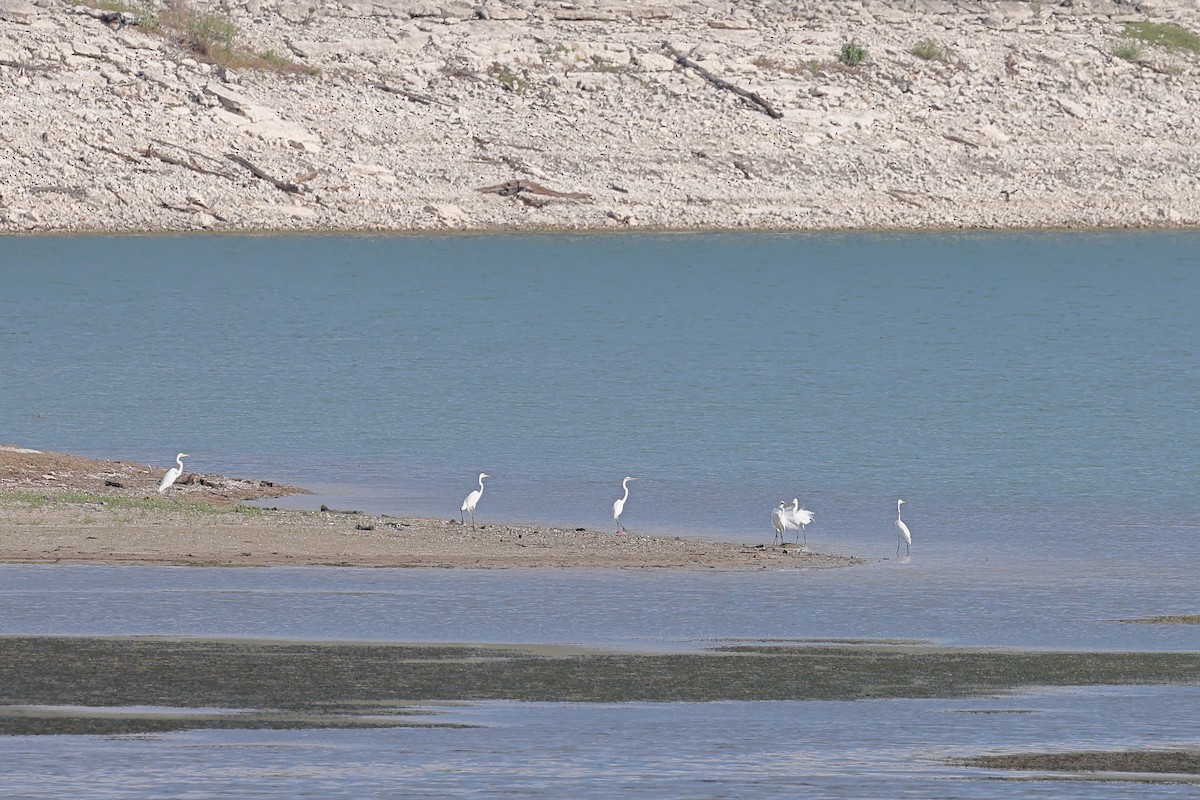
<point>130,684</point>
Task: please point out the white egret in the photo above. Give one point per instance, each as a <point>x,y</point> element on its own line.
<point>799,517</point>
<point>619,505</point>
<point>779,521</point>
<point>172,474</point>
<point>902,533</point>
<point>472,500</point>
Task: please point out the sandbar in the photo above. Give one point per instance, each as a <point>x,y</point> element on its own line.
<point>62,508</point>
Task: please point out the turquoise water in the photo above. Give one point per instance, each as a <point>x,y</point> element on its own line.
<point>1030,393</point>
<point>1032,396</point>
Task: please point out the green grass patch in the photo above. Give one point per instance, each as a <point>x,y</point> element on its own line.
<point>852,54</point>
<point>249,511</point>
<point>1163,34</point>
<point>36,500</point>
<point>1127,49</point>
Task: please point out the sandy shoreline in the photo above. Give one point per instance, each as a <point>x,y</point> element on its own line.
<point>59,508</point>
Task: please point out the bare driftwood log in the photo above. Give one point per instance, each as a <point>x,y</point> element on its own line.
<point>955,138</point>
<point>115,152</point>
<point>748,96</point>
<point>903,197</point>
<point>516,188</point>
<point>416,98</point>
<point>189,163</point>
<point>285,186</point>
<point>192,207</point>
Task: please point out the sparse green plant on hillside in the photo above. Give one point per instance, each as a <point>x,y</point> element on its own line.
<point>810,67</point>
<point>930,50</point>
<point>1127,49</point>
<point>209,37</point>
<point>508,79</point>
<point>852,54</point>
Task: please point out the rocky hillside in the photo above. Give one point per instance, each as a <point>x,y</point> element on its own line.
<point>552,114</point>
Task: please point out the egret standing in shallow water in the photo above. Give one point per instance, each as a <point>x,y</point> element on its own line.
<point>779,521</point>
<point>799,517</point>
<point>472,500</point>
<point>619,505</point>
<point>902,533</point>
<point>172,474</point>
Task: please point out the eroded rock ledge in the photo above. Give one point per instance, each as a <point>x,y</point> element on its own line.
<point>1028,117</point>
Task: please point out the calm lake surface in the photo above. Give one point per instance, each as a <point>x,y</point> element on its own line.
<point>1032,396</point>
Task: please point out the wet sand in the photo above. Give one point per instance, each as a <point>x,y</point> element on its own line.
<point>60,508</point>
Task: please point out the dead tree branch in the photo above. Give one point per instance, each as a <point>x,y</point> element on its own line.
<point>515,189</point>
<point>955,138</point>
<point>285,186</point>
<point>193,208</point>
<point>720,83</point>
<point>409,95</point>
<point>115,152</point>
<point>189,163</point>
<point>903,197</point>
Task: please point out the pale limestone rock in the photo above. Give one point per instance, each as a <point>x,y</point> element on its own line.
<point>827,91</point>
<point>499,11</point>
<point>227,97</point>
<point>583,15</point>
<point>648,11</point>
<point>13,56</point>
<point>137,40</point>
<point>21,13</point>
<point>449,213</point>
<point>653,62</point>
<point>287,132</point>
<point>369,48</point>
<point>260,120</point>
<point>439,10</point>
<point>737,21</point>
<point>1073,108</point>
<point>994,134</point>
<point>295,12</point>
<point>379,173</point>
<point>229,118</point>
<point>86,49</point>
<point>299,212</point>
<point>411,43</point>
<point>154,73</point>
<point>596,81</point>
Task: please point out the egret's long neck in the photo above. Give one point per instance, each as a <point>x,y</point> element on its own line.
<point>179,461</point>
<point>481,484</point>
<point>625,486</point>
<point>897,511</point>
